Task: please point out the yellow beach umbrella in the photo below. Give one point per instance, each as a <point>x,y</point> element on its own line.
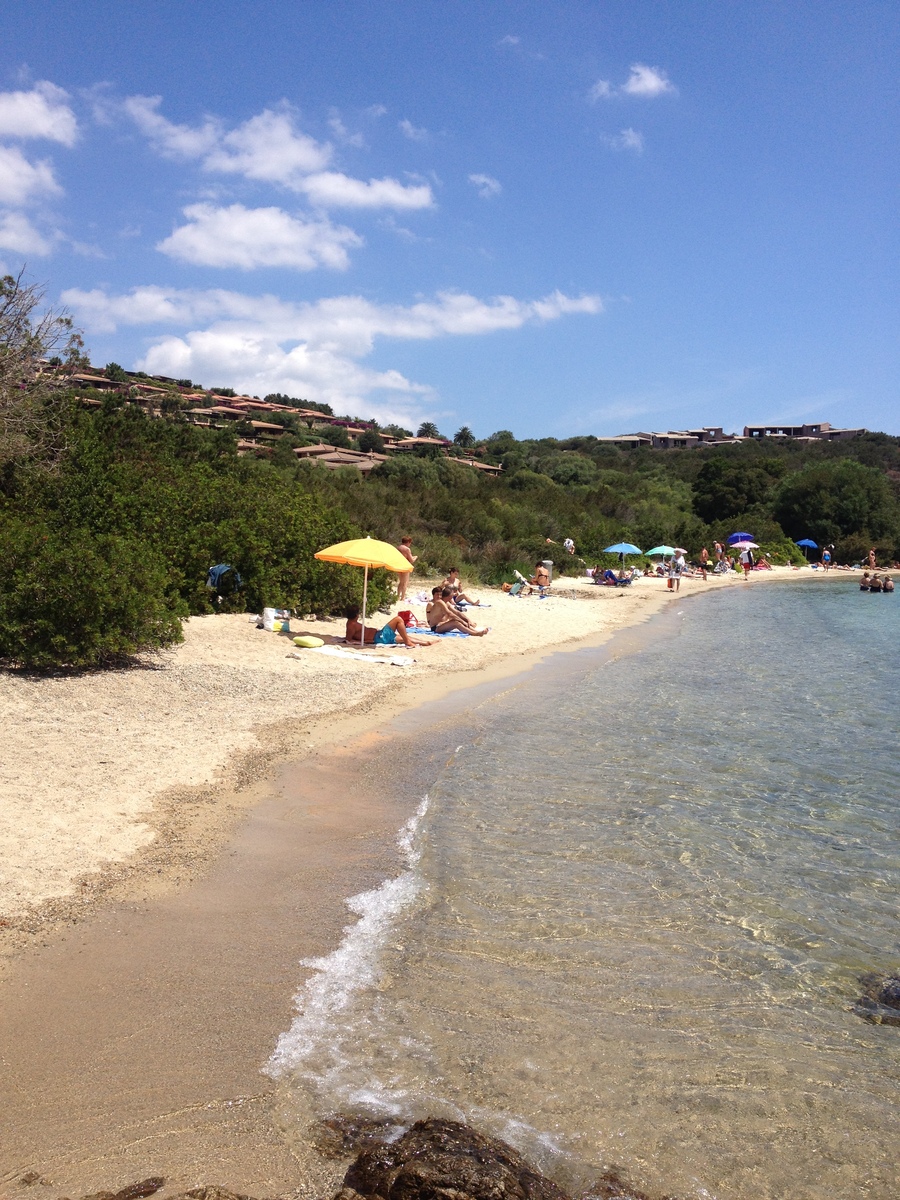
<point>365,552</point>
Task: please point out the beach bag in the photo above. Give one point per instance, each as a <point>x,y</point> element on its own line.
<point>408,618</point>
<point>277,620</point>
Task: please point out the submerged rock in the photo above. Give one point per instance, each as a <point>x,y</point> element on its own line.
<point>134,1191</point>
<point>444,1160</point>
<point>341,1134</point>
<point>613,1186</point>
<point>880,1001</point>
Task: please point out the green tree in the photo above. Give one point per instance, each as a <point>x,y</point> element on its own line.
<point>32,405</point>
<point>729,487</point>
<point>464,437</point>
<point>115,373</point>
<point>428,429</point>
<point>371,441</point>
<point>835,501</point>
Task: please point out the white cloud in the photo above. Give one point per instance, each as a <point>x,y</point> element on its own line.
<point>648,82</point>
<point>331,189</point>
<point>350,323</point>
<point>628,139</point>
<point>412,132</point>
<point>176,141</point>
<point>236,236</point>
<point>342,133</point>
<point>269,148</point>
<point>20,180</point>
<point>509,40</point>
<point>40,113</point>
<point>376,110</point>
<point>263,344</point>
<point>487,186</point>
<point>19,235</point>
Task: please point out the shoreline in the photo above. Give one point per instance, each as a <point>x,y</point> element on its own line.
<point>133,1043</point>
<point>134,1032</point>
<point>156,838</point>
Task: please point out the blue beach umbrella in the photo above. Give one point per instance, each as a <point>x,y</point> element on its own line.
<point>807,544</point>
<point>622,548</point>
<point>741,537</point>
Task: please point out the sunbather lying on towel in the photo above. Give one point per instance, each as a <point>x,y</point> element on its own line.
<point>389,634</point>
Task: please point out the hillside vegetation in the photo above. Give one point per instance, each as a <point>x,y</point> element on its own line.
<point>110,516</point>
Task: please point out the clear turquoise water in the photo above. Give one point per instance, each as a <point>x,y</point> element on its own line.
<point>637,905</point>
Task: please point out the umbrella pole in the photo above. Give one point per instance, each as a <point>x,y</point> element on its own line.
<point>362,636</point>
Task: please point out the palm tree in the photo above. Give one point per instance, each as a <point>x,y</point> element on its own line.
<point>464,437</point>
<point>428,429</point>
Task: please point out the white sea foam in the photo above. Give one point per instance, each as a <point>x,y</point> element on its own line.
<point>315,1033</point>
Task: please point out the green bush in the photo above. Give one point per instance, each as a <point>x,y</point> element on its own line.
<point>70,599</point>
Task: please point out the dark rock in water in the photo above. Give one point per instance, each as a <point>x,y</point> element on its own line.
<point>613,1186</point>
<point>212,1193</point>
<point>136,1191</point>
<point>444,1160</point>
<point>880,1001</point>
<point>341,1134</point>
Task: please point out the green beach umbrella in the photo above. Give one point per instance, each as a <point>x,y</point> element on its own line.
<point>665,551</point>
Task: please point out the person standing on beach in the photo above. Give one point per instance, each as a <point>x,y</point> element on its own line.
<point>747,561</point>
<point>403,576</point>
<point>872,562</point>
<point>676,569</point>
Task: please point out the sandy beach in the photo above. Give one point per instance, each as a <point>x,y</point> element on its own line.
<point>165,872</point>
<point>97,767</point>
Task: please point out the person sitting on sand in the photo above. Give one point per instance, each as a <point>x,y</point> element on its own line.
<point>388,635</point>
<point>762,564</point>
<point>444,618</point>
<point>442,595</point>
<point>453,583</point>
<point>540,580</point>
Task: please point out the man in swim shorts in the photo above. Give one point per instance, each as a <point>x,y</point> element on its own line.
<point>389,634</point>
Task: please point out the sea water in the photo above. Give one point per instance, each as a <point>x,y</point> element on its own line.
<point>635,910</point>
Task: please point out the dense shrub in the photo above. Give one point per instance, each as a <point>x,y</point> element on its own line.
<point>79,600</point>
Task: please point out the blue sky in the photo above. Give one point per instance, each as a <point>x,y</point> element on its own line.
<point>552,218</point>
